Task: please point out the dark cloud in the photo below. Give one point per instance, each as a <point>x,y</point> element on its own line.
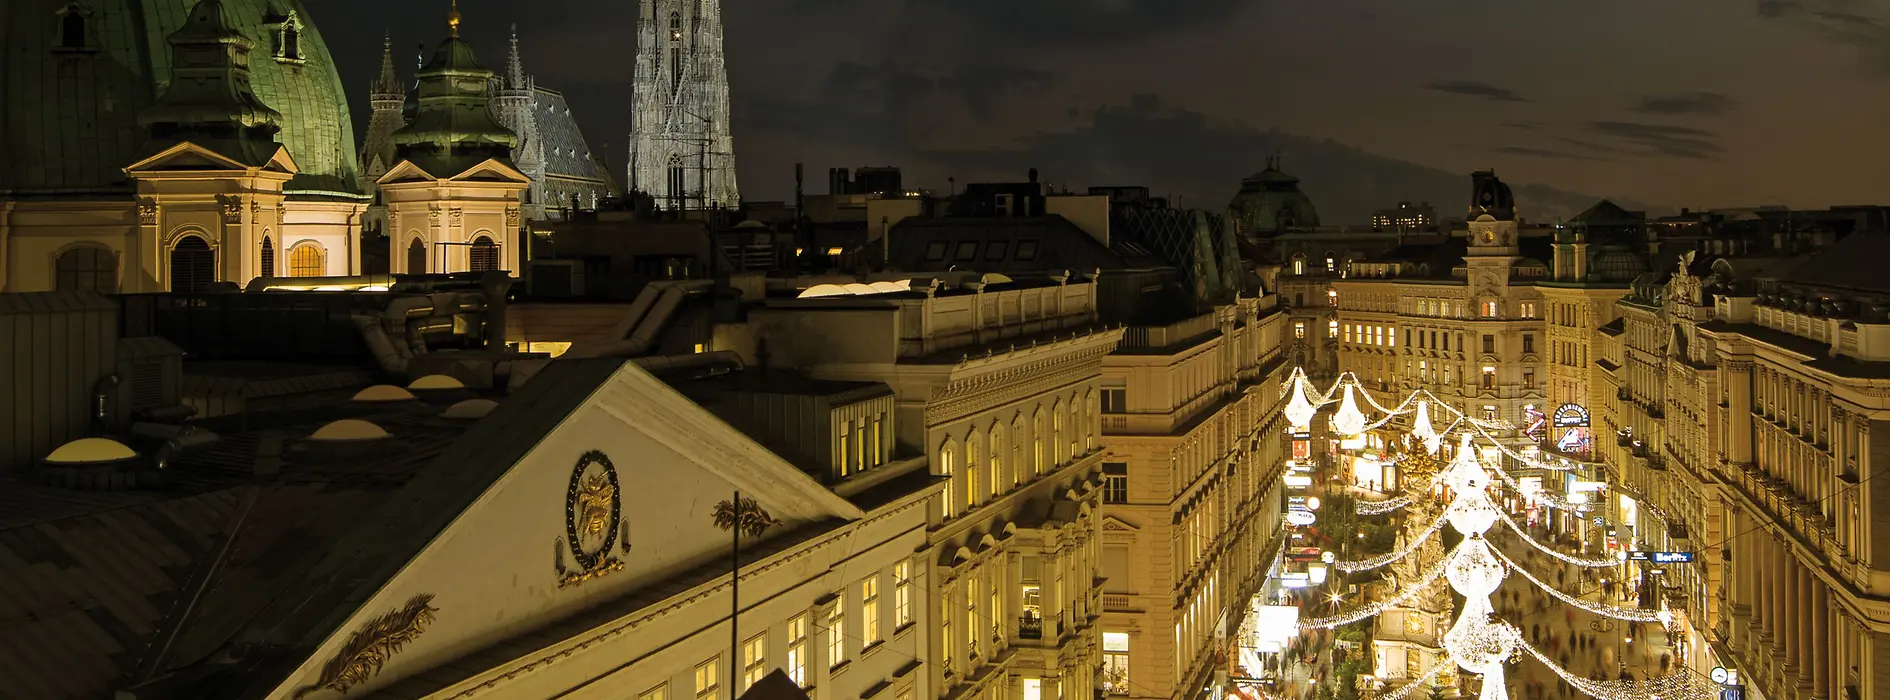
<point>983,85</point>
<point>1200,159</point>
<point>1471,88</point>
<point>1835,21</point>
<point>1542,153</point>
<point>1686,103</point>
<point>1088,21</point>
<point>1661,139</point>
<point>1771,9</point>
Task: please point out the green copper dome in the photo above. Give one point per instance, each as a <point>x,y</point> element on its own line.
<point>1270,202</point>
<point>452,127</point>
<point>74,89</point>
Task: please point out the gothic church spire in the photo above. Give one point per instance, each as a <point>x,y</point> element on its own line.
<point>387,87</point>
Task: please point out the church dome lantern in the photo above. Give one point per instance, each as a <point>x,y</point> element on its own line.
<point>1270,202</point>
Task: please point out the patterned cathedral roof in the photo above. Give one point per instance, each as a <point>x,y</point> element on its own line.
<point>69,112</point>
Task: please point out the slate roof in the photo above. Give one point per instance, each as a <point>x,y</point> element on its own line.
<point>567,154</point>
<point>1851,263</point>
<point>69,120</point>
<point>218,585</point>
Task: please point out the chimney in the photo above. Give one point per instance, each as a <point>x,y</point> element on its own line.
<point>837,181</point>
<point>1033,175</point>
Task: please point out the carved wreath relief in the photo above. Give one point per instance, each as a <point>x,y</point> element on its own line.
<point>593,522</point>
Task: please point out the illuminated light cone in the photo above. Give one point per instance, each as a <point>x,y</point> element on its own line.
<point>1349,421</point>
<point>1299,410</point>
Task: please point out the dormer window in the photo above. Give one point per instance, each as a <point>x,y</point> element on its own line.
<point>72,34</point>
<point>289,40</point>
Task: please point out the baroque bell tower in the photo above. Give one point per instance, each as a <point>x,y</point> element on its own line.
<point>681,153</point>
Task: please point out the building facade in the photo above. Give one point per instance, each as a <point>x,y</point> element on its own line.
<point>1000,386</point>
<point>681,153</point>
<point>1458,315</point>
<point>1191,494</point>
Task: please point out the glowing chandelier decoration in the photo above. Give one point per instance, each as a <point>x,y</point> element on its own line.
<point>1422,430</point>
<point>1349,422</point>
<point>1478,642</point>
<point>1299,411</point>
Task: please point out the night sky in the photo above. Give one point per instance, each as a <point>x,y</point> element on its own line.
<point>1699,103</point>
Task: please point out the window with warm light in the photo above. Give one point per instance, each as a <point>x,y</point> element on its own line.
<point>754,659</point>
<point>307,260</point>
<point>1332,297</point>
<point>797,650</point>
<point>1299,329</point>
<point>660,692</point>
<point>869,610</point>
<point>1489,377</point>
<point>996,475</point>
<point>1115,666</point>
<point>836,250</point>
<point>1332,329</point>
<point>708,681</point>
<point>974,463</point>
<point>946,457</point>
<point>836,632</point>
<point>902,594</point>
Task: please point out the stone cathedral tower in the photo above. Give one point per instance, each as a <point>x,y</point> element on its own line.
<point>680,150</point>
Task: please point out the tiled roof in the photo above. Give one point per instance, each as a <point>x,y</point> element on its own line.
<point>1850,263</point>
<point>70,119</point>
<point>566,152</point>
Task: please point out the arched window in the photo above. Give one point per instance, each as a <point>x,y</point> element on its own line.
<point>1038,429</point>
<point>72,28</point>
<point>193,264</point>
<point>86,268</point>
<point>307,259</point>
<point>996,476</point>
<point>268,258</point>
<point>1299,263</point>
<point>484,256</point>
<point>973,464</point>
<point>1018,458</point>
<point>946,458</point>
<point>1056,434</point>
<point>416,258</point>
<point>1076,427</point>
<point>677,183</point>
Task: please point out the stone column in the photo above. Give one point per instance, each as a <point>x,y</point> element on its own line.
<point>1762,587</point>
<point>1782,631</point>
<point>1807,602</point>
<point>1821,641</point>
<point>1737,428</point>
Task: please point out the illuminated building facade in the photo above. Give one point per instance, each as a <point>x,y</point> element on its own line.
<point>1456,314</point>
<point>681,151</point>
<point>1406,217</point>
<point>1191,494</point>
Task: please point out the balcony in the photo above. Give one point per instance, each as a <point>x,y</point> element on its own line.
<point>1030,628</point>
<point>1116,602</point>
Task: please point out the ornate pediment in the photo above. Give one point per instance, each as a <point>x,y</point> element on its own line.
<point>1111,523</point>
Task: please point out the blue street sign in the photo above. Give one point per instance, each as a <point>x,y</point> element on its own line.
<point>1662,557</point>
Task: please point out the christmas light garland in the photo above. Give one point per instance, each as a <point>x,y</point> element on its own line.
<point>1381,507</point>
<point>1684,685</point>
<point>1389,557</point>
<point>1444,662</point>
<point>1350,616</point>
<point>1594,563</point>
<point>1623,614</point>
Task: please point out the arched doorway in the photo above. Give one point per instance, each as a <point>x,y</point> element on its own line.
<point>193,265</point>
<point>484,255</point>
<point>416,258</point>
<point>86,268</point>
<point>268,258</point>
